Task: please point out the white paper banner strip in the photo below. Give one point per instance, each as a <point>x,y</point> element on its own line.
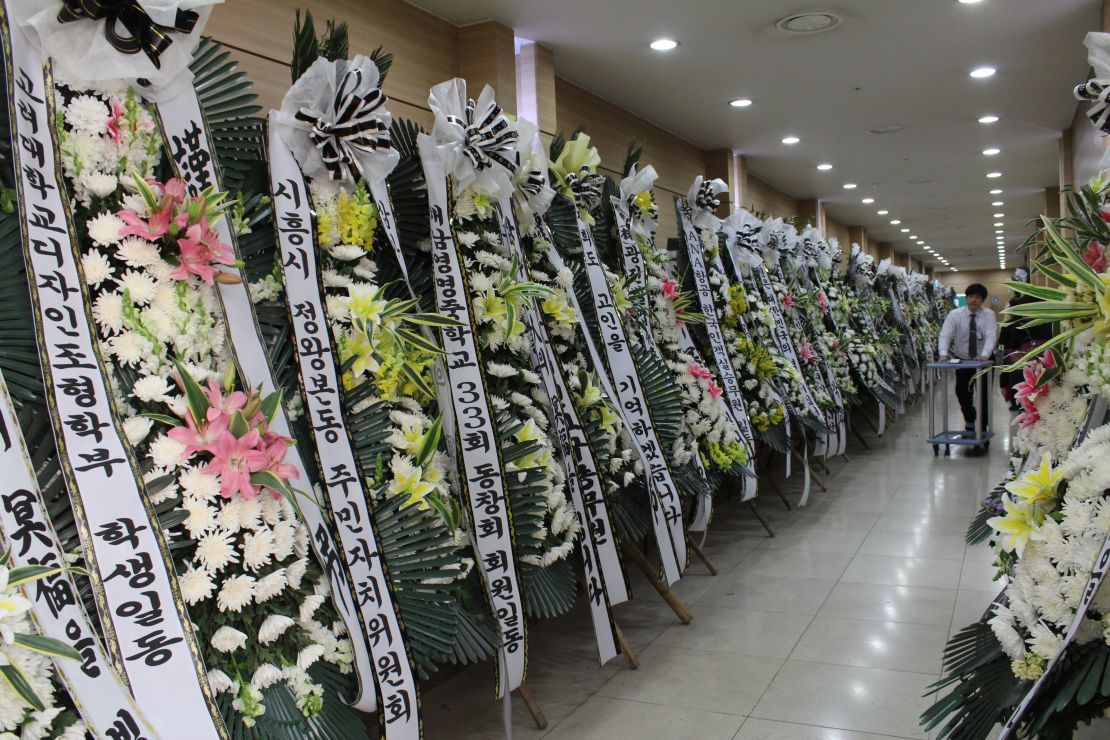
<point>342,478</point>
<point>145,620</point>
<point>717,345</point>
<point>186,135</point>
<point>666,506</point>
<point>101,697</point>
<point>484,481</point>
<point>633,260</point>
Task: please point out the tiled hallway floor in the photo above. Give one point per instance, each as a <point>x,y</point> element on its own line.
<point>831,630</point>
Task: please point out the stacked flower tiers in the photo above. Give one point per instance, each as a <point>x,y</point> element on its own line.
<point>295,414</point>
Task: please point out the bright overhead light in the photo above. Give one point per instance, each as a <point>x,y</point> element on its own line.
<point>989,119</point>
<point>980,73</point>
<point>895,222</point>
<point>999,215</point>
<point>993,175</point>
<point>920,242</point>
<point>998,203</point>
<point>998,223</point>
<point>998,231</point>
<point>882,212</point>
<point>991,151</point>
<point>740,102</point>
<point>849,186</point>
<point>825,166</point>
<point>969,2</point>
<point>867,201</point>
<point>664,44</point>
<point>996,191</point>
<point>904,231</point>
<point>790,140</point>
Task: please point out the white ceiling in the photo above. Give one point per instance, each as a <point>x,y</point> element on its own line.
<point>890,62</point>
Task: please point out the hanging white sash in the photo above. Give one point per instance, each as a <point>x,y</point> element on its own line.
<point>340,472</point>
<point>25,530</point>
<point>484,482</point>
<point>145,622</point>
<point>666,506</point>
<point>185,132</point>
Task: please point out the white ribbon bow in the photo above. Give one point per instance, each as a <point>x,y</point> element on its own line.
<point>636,182</point>
<point>746,228</point>
<point>474,140</point>
<point>703,200</point>
<point>532,194</point>
<point>1097,89</point>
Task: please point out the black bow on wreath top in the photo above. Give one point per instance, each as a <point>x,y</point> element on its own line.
<point>350,128</point>
<point>489,142</point>
<point>586,187</point>
<point>706,199</point>
<point>139,32</point>
<point>1096,91</point>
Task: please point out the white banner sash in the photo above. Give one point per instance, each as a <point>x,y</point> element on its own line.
<point>340,472</point>
<point>102,700</point>
<point>146,624</point>
<point>187,138</point>
<point>483,480</point>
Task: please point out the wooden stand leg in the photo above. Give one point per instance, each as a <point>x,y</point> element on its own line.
<point>660,585</point>
<point>759,516</point>
<point>629,654</point>
<point>824,466</point>
<point>816,478</point>
<point>779,493</point>
<point>847,459</point>
<point>701,555</point>
<point>533,706</point>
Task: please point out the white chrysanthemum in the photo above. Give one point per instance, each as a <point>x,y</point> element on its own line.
<point>308,656</point>
<point>273,627</point>
<point>346,252</point>
<point>196,585</point>
<point>270,585</point>
<point>1044,642</point>
<point>467,239</point>
<point>96,267</point>
<point>240,513</point>
<point>77,731</point>
<point>151,389</point>
<point>300,541</point>
<point>137,252</point>
<point>295,572</point>
<point>199,485</point>
<point>167,452</point>
<point>236,592</point>
<point>283,538</point>
<point>136,428</point>
<point>227,639</point>
<point>265,676</point>
<point>108,312</point>
<point>87,114</point>
<point>215,551</point>
<point>202,517</point>
<point>499,370</point>
<point>104,229</point>
<point>258,549</point>
<point>220,682</point>
<point>99,184</point>
<point>138,285</point>
<point>309,606</point>
<point>130,348</point>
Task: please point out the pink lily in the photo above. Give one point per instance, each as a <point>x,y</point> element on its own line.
<point>1031,386</point>
<point>670,289</point>
<point>113,122</point>
<point>200,249</point>
<point>698,371</point>
<point>275,456</point>
<point>234,460</point>
<point>152,228</point>
<point>714,389</point>
<point>1095,257</point>
<point>788,301</point>
<point>198,439</point>
<point>1029,416</point>
<point>807,352</point>
<point>822,302</point>
<point>221,406</point>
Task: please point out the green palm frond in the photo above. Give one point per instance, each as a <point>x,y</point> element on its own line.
<point>980,683</point>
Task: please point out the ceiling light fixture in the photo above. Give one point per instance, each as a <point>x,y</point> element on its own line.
<point>904,231</point>
<point>913,237</point>
<point>992,151</point>
<point>998,231</point>
<point>664,44</point>
<point>993,175</point>
<point>849,186</point>
<point>895,222</point>
<point>998,203</point>
<point>740,102</point>
<point>999,215</point>
<point>989,119</point>
<point>790,140</point>
<point>999,223</point>
<point>996,191</point>
<point>824,167</point>
<point>882,212</point>
<point>813,21</point>
<point>867,201</point>
<point>981,73</point>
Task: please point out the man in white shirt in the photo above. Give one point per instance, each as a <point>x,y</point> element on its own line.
<point>969,333</point>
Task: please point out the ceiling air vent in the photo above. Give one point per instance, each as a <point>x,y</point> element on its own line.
<point>813,21</point>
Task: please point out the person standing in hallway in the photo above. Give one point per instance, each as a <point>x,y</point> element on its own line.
<point>969,333</point>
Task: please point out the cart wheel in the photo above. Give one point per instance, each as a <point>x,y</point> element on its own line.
<point>936,450</point>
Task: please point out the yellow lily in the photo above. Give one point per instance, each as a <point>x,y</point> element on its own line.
<point>1038,488</point>
<point>1017,527</point>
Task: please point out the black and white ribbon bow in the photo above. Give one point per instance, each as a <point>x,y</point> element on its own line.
<point>139,33</point>
<point>1096,92</point>
<point>532,182</point>
<point>651,216</point>
<point>351,128</point>
<point>586,187</point>
<point>489,141</point>
<point>707,199</point>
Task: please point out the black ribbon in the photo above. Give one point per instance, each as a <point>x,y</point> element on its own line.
<point>532,183</point>
<point>706,199</point>
<point>652,215</point>
<point>586,187</point>
<point>489,141</point>
<point>139,32</point>
<point>350,128</point>
<point>1097,92</point>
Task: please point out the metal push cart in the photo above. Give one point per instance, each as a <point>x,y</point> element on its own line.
<point>981,436</point>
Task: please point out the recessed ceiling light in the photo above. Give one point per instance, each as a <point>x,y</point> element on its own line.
<point>895,222</point>
<point>740,102</point>
<point>993,175</point>
<point>999,215</point>
<point>867,201</point>
<point>991,151</point>
<point>825,166</point>
<point>996,191</point>
<point>882,212</point>
<point>998,203</point>
<point>849,186</point>
<point>999,223</point>
<point>904,231</point>
<point>813,21</point>
<point>790,140</point>
<point>969,2</point>
<point>664,44</point>
<point>980,73</point>
<point>913,237</point>
<point>998,231</point>
<point>920,242</point>
<point>989,119</point>
<point>892,129</point>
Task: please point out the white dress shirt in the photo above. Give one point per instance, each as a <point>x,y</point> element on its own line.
<point>954,333</point>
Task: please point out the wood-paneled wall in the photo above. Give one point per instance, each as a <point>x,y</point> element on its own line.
<point>761,196</point>
<point>836,230</point>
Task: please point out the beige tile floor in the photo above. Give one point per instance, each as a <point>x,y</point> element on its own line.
<point>831,630</point>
